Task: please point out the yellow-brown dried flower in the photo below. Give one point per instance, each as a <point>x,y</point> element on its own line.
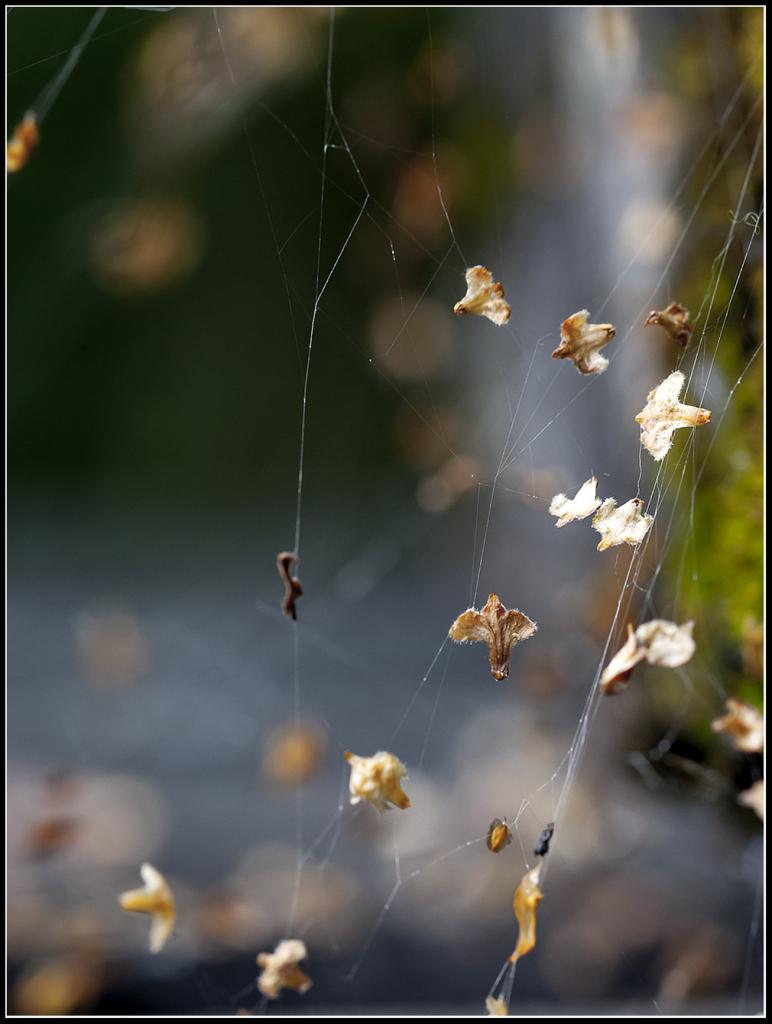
<point>499,835</point>
<point>581,342</point>
<point>743,724</point>
<point>22,144</point>
<point>378,780</point>
<point>663,414</point>
<point>280,969</point>
<point>498,627</point>
<point>675,320</point>
<point>484,297</point>
<point>156,899</point>
<point>623,525</point>
<point>528,895</point>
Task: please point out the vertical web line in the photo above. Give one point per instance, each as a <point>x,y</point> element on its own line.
<point>304,408</point>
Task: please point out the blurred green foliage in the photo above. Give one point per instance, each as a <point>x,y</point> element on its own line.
<point>719,563</point>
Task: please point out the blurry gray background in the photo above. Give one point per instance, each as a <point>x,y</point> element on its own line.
<point>162,272</point>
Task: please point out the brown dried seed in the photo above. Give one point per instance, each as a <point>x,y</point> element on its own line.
<point>496,1007</point>
<point>23,143</point>
<point>752,650</point>
<point>528,895</point>
<point>581,342</point>
<point>294,752</point>
<point>293,588</point>
<point>623,525</point>
<point>619,670</point>
<point>754,798</point>
<point>674,319</point>
<point>377,779</point>
<point>542,847</point>
<point>499,835</point>
<point>659,642</point>
<point>498,627</point>
<point>59,986</point>
<point>484,297</point>
<point>112,648</point>
<point>52,834</point>
<point>663,414</point>
<point>280,969</point>
<point>156,899</point>
<point>744,725</point>
<point>583,504</point>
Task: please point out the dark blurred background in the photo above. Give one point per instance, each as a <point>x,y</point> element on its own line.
<point>162,272</point>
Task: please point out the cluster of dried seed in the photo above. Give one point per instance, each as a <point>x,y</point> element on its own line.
<point>625,524</point>
<point>279,969</point>
<point>378,779</point>
<point>526,900</point>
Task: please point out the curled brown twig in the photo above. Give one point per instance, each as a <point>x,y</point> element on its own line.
<point>294,589</point>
